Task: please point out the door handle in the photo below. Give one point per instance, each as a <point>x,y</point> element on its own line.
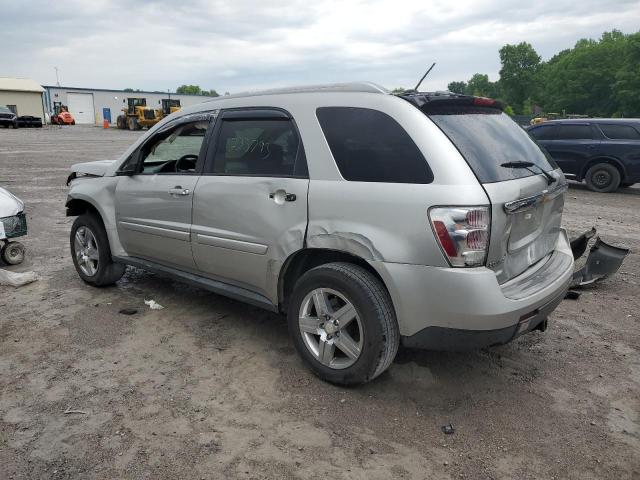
<point>178,190</point>
<point>281,196</point>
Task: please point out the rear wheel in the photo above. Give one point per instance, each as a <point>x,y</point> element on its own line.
<point>133,124</point>
<point>603,178</point>
<point>342,323</point>
<point>91,253</point>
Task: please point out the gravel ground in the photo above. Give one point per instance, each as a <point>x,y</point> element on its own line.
<point>212,388</point>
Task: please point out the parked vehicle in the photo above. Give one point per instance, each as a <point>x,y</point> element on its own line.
<point>603,152</point>
<point>136,115</point>
<point>8,118</point>
<point>370,219</point>
<point>62,116</point>
<point>169,106</point>
<point>13,224</point>
<point>27,121</point>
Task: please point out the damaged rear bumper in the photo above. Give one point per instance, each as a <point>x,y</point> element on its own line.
<point>464,308</point>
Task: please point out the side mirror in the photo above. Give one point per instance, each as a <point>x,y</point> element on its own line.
<point>126,172</point>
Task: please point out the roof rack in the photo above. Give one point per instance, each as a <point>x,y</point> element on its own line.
<point>362,87</point>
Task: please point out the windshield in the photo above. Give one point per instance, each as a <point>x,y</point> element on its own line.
<point>487,138</point>
<point>5,110</point>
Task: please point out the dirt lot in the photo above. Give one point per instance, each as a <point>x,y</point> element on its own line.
<point>212,388</point>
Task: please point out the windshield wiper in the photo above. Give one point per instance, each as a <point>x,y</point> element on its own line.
<point>528,165</point>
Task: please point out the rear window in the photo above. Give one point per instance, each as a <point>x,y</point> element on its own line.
<point>619,132</point>
<point>370,146</point>
<point>573,132</point>
<point>487,138</point>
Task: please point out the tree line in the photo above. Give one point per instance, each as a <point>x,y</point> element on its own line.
<point>595,77</point>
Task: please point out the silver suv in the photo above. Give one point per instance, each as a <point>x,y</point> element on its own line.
<point>372,220</point>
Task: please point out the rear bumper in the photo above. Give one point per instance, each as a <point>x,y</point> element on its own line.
<point>459,308</point>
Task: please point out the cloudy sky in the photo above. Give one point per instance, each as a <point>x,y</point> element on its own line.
<point>236,45</point>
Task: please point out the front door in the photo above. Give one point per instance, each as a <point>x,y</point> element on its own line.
<point>154,202</point>
<point>250,206</point>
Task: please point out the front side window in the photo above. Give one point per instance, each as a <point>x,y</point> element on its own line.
<point>370,146</point>
<point>261,147</point>
<point>573,132</point>
<point>619,132</point>
<point>543,133</point>
<point>174,151</point>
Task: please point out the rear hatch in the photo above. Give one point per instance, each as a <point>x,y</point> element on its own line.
<point>526,204</point>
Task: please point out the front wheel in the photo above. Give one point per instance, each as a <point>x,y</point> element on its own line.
<point>342,323</point>
<point>91,253</point>
<point>603,178</point>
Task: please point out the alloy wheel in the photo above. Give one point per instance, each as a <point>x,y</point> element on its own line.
<point>330,328</point>
<point>86,251</point>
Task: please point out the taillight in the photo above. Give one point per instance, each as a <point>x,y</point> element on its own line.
<point>463,233</point>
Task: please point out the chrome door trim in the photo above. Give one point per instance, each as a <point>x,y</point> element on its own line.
<point>231,244</point>
<point>162,232</point>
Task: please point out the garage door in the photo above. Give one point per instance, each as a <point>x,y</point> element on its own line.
<point>81,107</point>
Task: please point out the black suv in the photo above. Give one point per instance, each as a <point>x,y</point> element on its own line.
<point>605,153</point>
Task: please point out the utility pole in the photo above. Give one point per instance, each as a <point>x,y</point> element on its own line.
<point>57,79</point>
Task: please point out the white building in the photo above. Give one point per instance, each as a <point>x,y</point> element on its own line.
<point>22,96</point>
<point>93,106</point>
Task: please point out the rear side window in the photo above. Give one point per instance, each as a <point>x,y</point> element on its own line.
<point>370,146</point>
<point>542,133</point>
<point>573,132</point>
<point>261,147</point>
<point>488,138</point>
<point>619,132</point>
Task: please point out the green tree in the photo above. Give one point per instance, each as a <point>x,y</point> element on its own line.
<point>398,91</point>
<point>520,66</point>
<point>189,90</point>
<point>627,86</point>
<point>457,87</point>
<point>480,86</point>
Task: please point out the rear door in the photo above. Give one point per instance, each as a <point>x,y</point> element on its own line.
<point>154,197</point>
<point>526,206</point>
<point>572,145</point>
<point>250,206</point>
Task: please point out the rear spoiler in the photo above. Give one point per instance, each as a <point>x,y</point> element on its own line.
<point>444,102</point>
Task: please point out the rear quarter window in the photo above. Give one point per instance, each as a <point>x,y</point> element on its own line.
<point>619,132</point>
<point>370,146</point>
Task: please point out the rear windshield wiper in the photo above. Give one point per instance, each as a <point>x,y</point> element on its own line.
<point>528,165</point>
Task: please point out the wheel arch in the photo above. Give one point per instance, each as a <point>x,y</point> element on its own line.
<point>604,159</point>
<point>304,260</point>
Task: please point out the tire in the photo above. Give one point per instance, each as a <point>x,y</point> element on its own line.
<point>12,253</point>
<point>91,253</point>
<point>603,178</point>
<point>372,334</point>
<point>121,122</point>
<point>133,124</point>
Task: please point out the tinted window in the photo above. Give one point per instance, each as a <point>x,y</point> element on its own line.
<point>268,147</point>
<point>370,146</point>
<point>620,132</point>
<point>542,133</point>
<point>487,138</point>
<point>174,151</point>
<point>573,132</point>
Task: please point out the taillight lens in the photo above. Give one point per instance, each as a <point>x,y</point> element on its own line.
<point>463,234</point>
